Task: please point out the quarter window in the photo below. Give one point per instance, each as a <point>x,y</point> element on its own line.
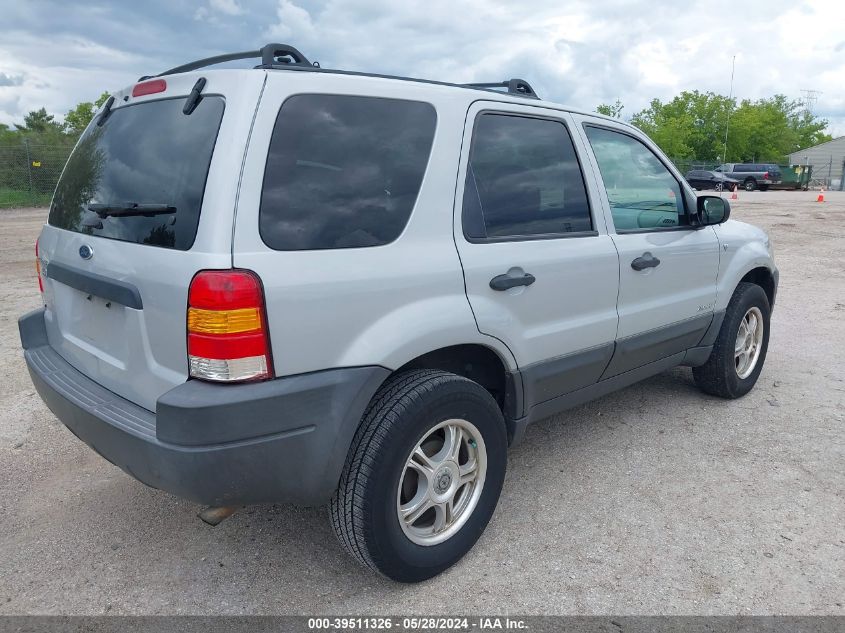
<point>523,180</point>
<point>343,171</point>
<point>643,194</point>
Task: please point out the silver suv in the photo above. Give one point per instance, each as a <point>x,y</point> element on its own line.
<point>294,284</point>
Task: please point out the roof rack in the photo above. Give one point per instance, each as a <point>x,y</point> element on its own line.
<point>271,56</point>
<point>286,57</point>
<point>515,86</point>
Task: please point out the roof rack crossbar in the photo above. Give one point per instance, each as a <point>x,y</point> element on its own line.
<point>286,57</point>
<point>270,55</point>
<point>515,86</point>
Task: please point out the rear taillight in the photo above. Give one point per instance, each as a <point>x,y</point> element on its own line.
<point>38,269</point>
<point>766,176</point>
<point>227,327</point>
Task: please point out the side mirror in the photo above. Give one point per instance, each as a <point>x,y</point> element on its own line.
<point>713,210</point>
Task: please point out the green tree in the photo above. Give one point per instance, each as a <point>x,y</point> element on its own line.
<point>693,124</point>
<point>78,118</point>
<point>612,110</point>
<point>38,121</point>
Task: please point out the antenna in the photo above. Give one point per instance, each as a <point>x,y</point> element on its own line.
<point>810,98</point>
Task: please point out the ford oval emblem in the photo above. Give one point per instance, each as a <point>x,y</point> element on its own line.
<point>86,252</point>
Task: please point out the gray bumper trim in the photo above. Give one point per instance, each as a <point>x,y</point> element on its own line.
<point>283,440</point>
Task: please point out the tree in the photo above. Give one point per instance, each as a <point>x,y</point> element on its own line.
<point>612,110</point>
<point>693,124</point>
<point>38,121</point>
<point>79,117</point>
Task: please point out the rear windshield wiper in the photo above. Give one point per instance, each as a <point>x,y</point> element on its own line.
<point>130,209</point>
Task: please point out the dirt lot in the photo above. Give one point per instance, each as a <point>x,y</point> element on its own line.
<point>657,499</point>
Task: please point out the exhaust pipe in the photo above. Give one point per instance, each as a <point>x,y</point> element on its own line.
<point>215,515</point>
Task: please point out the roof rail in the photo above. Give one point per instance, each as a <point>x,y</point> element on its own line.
<point>271,55</point>
<point>286,57</point>
<point>515,87</point>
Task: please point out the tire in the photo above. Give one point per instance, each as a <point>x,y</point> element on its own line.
<point>719,187</point>
<point>750,184</point>
<point>365,509</point>
<point>721,375</point>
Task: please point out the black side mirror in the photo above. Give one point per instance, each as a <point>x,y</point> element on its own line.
<point>713,210</point>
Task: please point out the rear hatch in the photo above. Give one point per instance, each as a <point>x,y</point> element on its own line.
<point>145,201</point>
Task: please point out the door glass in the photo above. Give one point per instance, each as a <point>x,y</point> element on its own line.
<point>523,180</point>
<point>643,194</point>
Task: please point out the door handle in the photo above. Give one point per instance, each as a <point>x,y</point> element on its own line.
<point>646,260</point>
<point>503,282</point>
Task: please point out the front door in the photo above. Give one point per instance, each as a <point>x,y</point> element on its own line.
<point>667,265</point>
<point>541,272</point>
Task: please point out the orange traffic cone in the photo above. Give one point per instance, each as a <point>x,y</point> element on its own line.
<point>733,195</point>
<point>821,196</point>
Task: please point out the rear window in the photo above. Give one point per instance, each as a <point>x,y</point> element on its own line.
<point>343,171</point>
<point>140,176</point>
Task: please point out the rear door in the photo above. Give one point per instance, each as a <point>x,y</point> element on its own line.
<point>667,266</point>
<point>144,202</point>
<point>541,272</point>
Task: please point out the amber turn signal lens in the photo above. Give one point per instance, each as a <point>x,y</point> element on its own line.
<point>223,321</point>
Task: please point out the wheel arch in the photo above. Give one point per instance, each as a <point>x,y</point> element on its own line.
<point>481,364</point>
<point>763,277</point>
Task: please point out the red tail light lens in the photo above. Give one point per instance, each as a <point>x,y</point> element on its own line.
<point>149,87</point>
<point>766,176</point>
<point>227,327</point>
<point>38,269</point>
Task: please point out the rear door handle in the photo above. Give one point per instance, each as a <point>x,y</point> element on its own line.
<point>646,260</point>
<point>503,282</point>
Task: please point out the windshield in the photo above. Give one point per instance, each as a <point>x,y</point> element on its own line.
<point>140,176</point>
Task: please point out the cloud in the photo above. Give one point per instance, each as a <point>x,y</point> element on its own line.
<point>10,80</point>
<point>580,52</point>
<point>229,7</point>
<point>216,9</point>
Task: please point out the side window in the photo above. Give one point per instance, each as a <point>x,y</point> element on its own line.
<point>643,193</point>
<point>523,180</point>
<point>343,171</point>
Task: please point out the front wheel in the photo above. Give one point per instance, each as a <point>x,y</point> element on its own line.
<point>719,186</point>
<point>750,184</point>
<point>740,348</point>
<point>423,475</point>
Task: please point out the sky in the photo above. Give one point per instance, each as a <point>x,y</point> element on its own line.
<point>56,54</point>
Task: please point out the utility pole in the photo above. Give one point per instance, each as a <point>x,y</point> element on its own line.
<point>730,108</point>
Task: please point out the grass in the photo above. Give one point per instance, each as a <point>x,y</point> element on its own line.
<point>11,198</point>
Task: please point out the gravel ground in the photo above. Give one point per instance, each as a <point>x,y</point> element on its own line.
<point>654,500</point>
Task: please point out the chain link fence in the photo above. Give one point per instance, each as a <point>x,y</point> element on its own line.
<point>29,173</point>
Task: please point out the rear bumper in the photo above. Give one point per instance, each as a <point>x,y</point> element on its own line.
<point>283,440</point>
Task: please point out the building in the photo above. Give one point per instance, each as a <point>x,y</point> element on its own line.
<point>827,159</point>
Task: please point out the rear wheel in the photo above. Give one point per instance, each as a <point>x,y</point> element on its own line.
<point>423,475</point>
<point>750,184</point>
<point>740,348</point>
